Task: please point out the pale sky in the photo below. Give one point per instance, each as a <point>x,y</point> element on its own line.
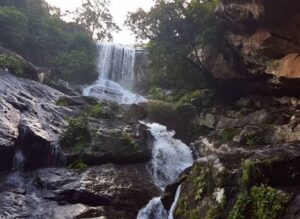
<point>118,8</point>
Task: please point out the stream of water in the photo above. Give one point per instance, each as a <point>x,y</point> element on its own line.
<point>116,75</point>
<point>169,156</point>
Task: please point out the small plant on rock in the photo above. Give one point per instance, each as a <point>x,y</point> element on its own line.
<point>12,64</point>
<point>96,111</point>
<point>77,133</point>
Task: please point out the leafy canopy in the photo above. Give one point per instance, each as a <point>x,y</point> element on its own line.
<point>96,19</point>
<point>180,33</point>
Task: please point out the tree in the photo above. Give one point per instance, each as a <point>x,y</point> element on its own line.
<point>13,27</point>
<point>95,17</point>
<point>36,31</point>
<point>180,33</point>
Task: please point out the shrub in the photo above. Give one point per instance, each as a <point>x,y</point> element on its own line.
<point>14,65</point>
<point>78,165</point>
<point>96,111</point>
<point>228,135</point>
<point>77,134</point>
<point>260,203</point>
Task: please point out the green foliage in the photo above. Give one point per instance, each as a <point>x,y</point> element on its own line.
<point>228,135</point>
<point>128,140</point>
<point>77,134</point>
<point>64,101</point>
<point>96,111</point>
<point>160,106</point>
<point>78,165</point>
<point>255,172</point>
<point>252,139</point>
<point>200,186</point>
<point>94,16</point>
<point>214,213</point>
<point>34,30</point>
<point>177,31</point>
<point>260,203</point>
<point>157,93</point>
<point>12,64</point>
<point>190,98</point>
<point>14,27</point>
<point>239,211</point>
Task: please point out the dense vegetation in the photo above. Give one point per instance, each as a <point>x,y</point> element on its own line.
<point>181,33</point>
<point>36,31</point>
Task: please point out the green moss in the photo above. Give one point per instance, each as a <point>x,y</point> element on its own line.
<point>200,186</point>
<point>241,206</point>
<point>78,165</point>
<point>228,134</point>
<point>252,139</point>
<point>254,172</point>
<point>260,203</point>
<point>14,65</point>
<point>64,101</point>
<point>128,140</point>
<point>201,182</point>
<point>214,213</point>
<point>77,134</point>
<point>190,98</point>
<point>160,106</point>
<point>96,111</point>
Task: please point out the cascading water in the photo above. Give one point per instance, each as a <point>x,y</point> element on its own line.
<point>170,158</point>
<point>19,161</point>
<point>116,75</point>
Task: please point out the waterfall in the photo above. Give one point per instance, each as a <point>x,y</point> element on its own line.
<point>18,161</point>
<point>116,74</point>
<point>170,158</point>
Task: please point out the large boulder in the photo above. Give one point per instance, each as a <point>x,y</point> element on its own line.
<point>107,191</point>
<point>233,181</point>
<point>30,121</point>
<point>15,61</point>
<point>261,49</point>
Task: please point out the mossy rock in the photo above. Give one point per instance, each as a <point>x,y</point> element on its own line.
<point>260,203</point>
<point>197,198</point>
<point>17,65</point>
<point>77,134</point>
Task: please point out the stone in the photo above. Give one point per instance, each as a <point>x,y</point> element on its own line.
<point>31,121</point>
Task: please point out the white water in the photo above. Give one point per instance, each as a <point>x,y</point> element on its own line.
<point>170,158</point>
<point>116,75</point>
<point>18,161</point>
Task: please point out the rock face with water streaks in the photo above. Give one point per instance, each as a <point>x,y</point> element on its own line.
<point>108,191</point>
<point>35,117</point>
<point>29,120</point>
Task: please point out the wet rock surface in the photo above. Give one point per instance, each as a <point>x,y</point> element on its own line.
<point>30,120</point>
<point>109,191</point>
<point>248,146</point>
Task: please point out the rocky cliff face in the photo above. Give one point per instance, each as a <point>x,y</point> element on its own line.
<point>248,153</point>
<point>262,45</point>
<point>98,150</point>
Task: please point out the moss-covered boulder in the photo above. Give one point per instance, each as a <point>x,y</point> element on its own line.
<point>242,183</point>
<point>17,65</point>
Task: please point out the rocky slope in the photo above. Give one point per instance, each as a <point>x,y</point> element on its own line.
<point>262,41</point>
<point>104,147</point>
<point>248,135</point>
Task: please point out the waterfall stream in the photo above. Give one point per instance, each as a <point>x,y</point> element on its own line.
<point>116,75</point>
<point>169,156</point>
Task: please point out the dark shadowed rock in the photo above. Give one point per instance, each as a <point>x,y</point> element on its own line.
<point>31,121</point>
